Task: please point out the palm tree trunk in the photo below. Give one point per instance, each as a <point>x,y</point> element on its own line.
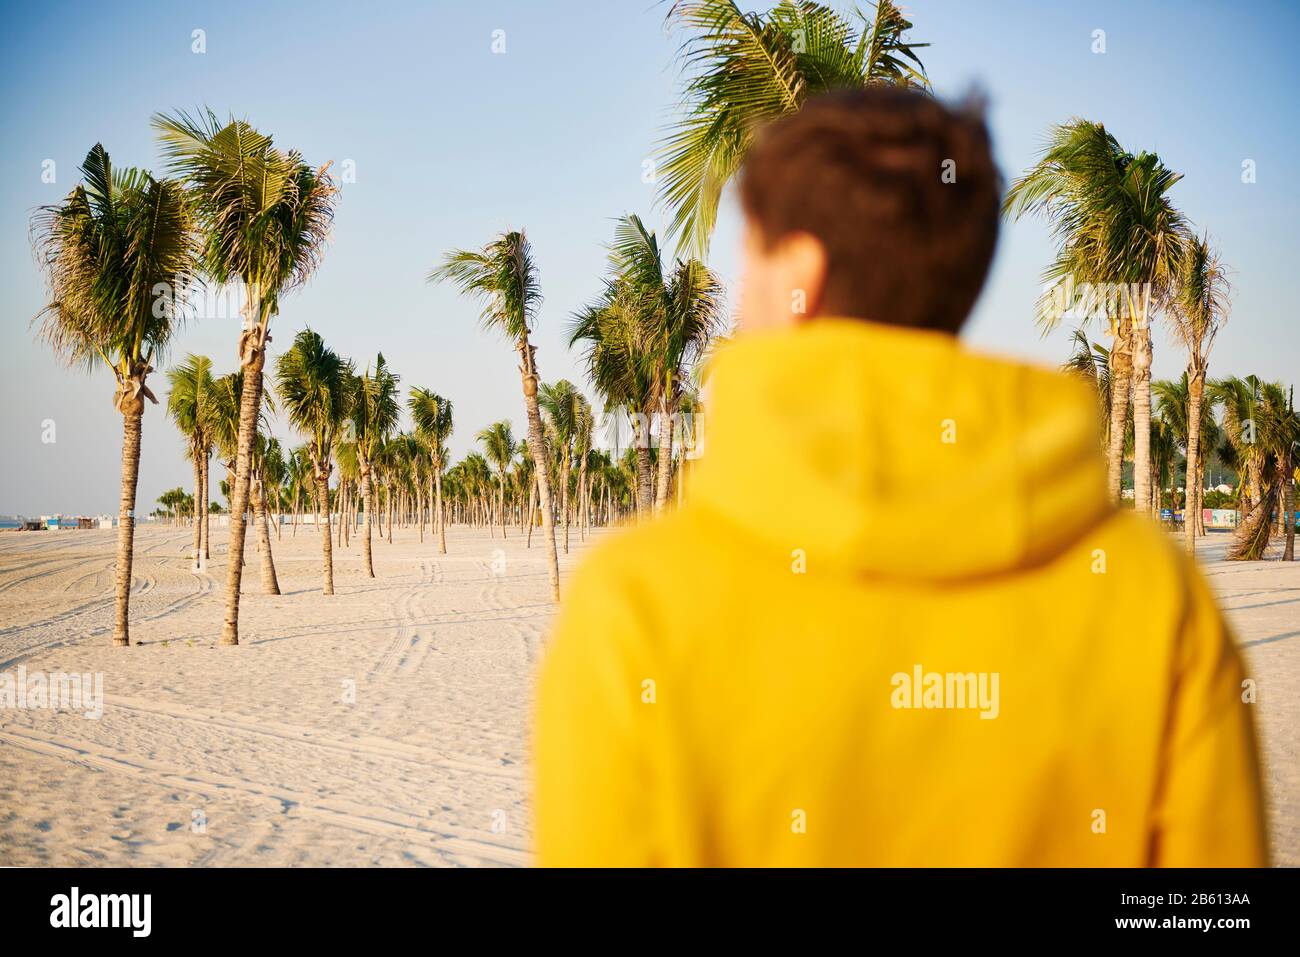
<point>270,584</point>
<point>327,544</point>
<point>132,416</point>
<point>442,521</point>
<point>1195,391</point>
<point>564,496</point>
<point>207,510</point>
<point>1200,511</point>
<point>198,500</point>
<point>644,482</point>
<point>532,505</point>
<point>1121,367</point>
<point>665,461</point>
<point>1288,509</point>
<point>250,404</point>
<point>583,494</point>
<point>1142,416</point>
<point>501,499</point>
<point>1251,539</point>
<point>367,502</point>
<point>537,447</point>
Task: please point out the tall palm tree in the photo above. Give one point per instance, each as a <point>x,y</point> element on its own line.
<point>314,384</point>
<point>1199,308</point>
<point>1117,231</point>
<point>298,471</point>
<point>562,402</point>
<point>584,426</point>
<point>187,404</point>
<point>1174,401</point>
<point>499,445</point>
<point>526,477</point>
<point>257,497</point>
<point>685,312</point>
<point>503,278</point>
<point>265,215</point>
<point>375,410</point>
<point>1275,428</point>
<point>118,259</point>
<point>225,410</point>
<point>432,415</point>
<point>743,69</point>
<point>643,337</point>
<point>618,351</point>
<point>1242,401</point>
<point>275,472</point>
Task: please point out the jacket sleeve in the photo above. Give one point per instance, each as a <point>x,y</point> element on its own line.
<point>1210,812</point>
<point>594,794</point>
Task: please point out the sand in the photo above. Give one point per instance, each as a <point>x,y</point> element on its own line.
<point>384,726</point>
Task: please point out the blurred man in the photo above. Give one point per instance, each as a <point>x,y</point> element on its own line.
<point>897,622</point>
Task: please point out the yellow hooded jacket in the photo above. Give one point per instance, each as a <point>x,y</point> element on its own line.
<point>896,623</point>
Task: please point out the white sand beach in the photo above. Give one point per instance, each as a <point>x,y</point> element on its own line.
<point>426,767</point>
<point>254,756</point>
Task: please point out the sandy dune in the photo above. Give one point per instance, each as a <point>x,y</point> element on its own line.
<point>260,756</point>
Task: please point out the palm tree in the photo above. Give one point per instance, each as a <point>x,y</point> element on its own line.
<point>1120,236</point>
<point>432,415</point>
<point>257,497</point>
<point>1174,400</point>
<point>618,354</point>
<point>187,404</point>
<point>563,404</point>
<point>744,69</point>
<point>1242,402</point>
<point>299,478</point>
<point>643,337</point>
<point>1275,431</point>
<point>375,410</point>
<point>683,310</point>
<point>118,258</point>
<point>265,215</point>
<point>499,444</point>
<point>526,477</point>
<point>224,408</point>
<point>584,426</point>
<point>1200,306</point>
<point>314,384</point>
<point>275,471</point>
<point>503,278</point>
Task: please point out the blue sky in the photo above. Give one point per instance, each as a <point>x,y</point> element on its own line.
<point>452,143</point>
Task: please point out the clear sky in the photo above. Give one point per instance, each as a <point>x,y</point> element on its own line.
<point>453,143</point>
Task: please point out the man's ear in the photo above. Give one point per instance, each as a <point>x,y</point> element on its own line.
<point>804,261</point>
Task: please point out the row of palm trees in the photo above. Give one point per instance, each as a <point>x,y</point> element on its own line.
<point>1245,425</point>
<point>349,420</point>
<point>1126,256</point>
<point>121,253</point>
<point>124,248</point>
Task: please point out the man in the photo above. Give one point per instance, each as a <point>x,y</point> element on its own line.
<point>897,622</point>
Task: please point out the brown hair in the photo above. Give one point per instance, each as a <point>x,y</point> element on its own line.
<point>901,191</point>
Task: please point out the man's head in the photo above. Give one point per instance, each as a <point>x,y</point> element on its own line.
<point>878,204</point>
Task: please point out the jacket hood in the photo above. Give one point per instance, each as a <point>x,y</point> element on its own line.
<point>897,452</point>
